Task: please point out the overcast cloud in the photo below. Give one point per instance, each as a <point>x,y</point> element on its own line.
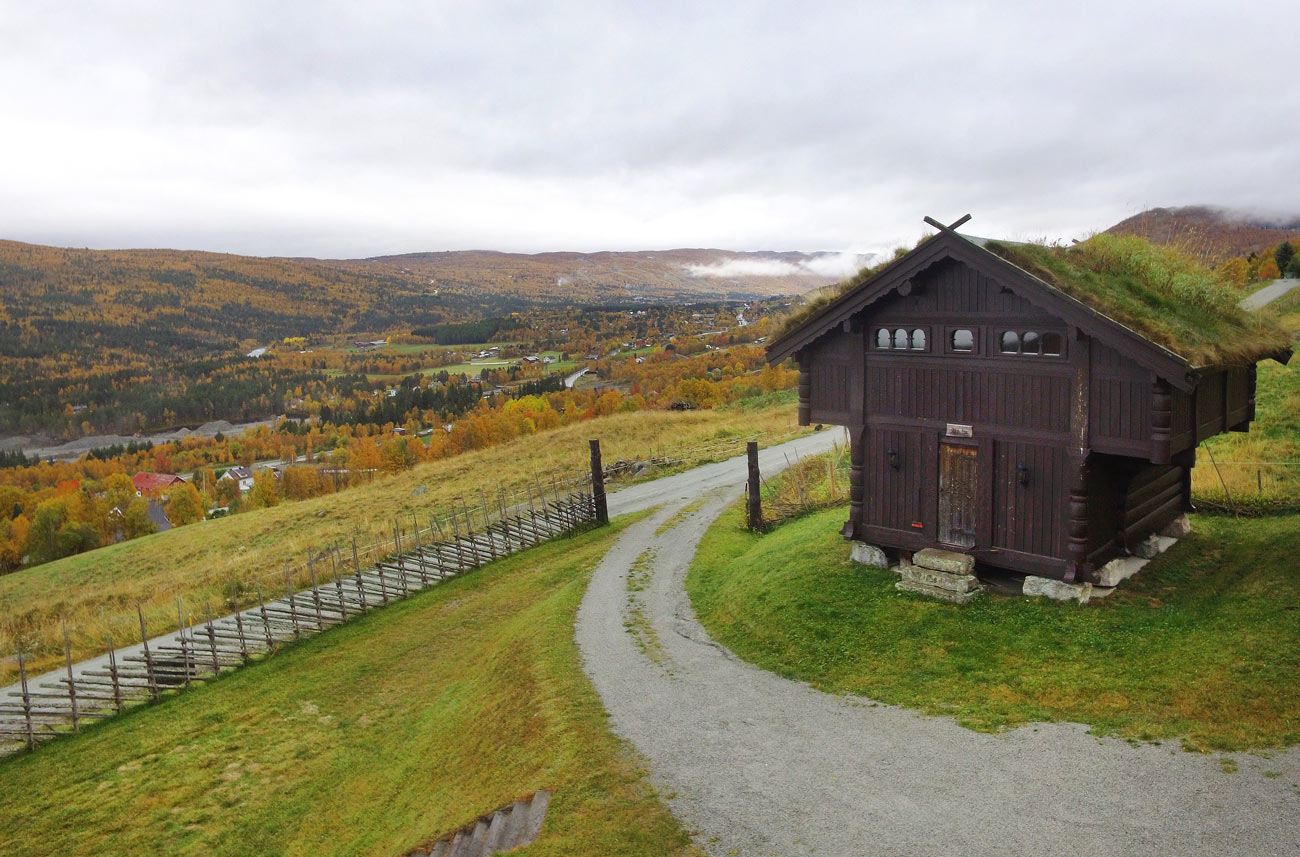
<point>356,129</point>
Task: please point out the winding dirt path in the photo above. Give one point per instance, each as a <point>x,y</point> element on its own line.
<point>759,765</point>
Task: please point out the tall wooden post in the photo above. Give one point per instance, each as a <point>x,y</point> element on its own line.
<point>598,485</point>
<point>754,506</point>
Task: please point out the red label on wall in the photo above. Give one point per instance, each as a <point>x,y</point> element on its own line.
<point>918,525</point>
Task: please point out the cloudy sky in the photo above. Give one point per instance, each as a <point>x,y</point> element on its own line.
<point>356,129</point>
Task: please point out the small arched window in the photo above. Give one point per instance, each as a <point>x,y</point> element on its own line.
<point>1029,343</point>
<point>918,339</point>
<point>1010,342</point>
<point>882,338</point>
<point>1052,345</point>
<point>963,340</point>
<point>900,339</point>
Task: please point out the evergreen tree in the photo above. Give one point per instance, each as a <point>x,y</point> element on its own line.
<point>1284,255</point>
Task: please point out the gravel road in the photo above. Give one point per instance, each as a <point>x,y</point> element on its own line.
<point>1268,294</point>
<point>756,764</point>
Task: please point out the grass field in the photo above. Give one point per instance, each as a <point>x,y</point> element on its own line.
<point>1203,644</point>
<point>1259,470</point>
<point>367,740</point>
<point>219,562</point>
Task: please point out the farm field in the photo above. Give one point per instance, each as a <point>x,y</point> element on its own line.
<point>1203,645</point>
<point>221,562</point>
<point>382,734</point>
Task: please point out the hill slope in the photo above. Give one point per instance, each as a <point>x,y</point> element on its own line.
<point>1209,233</point>
<point>89,304</point>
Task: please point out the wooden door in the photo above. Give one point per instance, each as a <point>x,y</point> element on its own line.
<point>958,493</point>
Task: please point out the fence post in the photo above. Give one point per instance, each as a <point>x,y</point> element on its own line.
<point>148,659</point>
<point>180,635</point>
<point>72,687</point>
<point>112,673</point>
<point>598,484</point>
<point>754,507</point>
<point>27,701</point>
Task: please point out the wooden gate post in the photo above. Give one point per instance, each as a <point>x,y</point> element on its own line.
<point>754,506</point>
<point>598,485</point>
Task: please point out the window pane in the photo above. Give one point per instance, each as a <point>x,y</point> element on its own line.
<point>900,339</point>
<point>1052,344</point>
<point>918,340</point>
<point>963,340</point>
<point>1010,342</point>
<point>882,338</point>
<point>1029,345</point>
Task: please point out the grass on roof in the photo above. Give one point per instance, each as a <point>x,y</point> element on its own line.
<point>1155,291</point>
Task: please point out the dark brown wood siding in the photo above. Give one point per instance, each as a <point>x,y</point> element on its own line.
<point>1029,518</point>
<point>1210,403</point>
<point>1153,498</point>
<point>896,489</point>
<point>989,394</point>
<point>1120,407</point>
<point>835,375</point>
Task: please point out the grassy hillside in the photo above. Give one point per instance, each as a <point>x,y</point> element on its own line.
<point>368,740</point>
<point>1211,235</point>
<point>1202,644</point>
<point>219,562</point>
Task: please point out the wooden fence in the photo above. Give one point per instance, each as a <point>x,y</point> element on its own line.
<point>343,582</point>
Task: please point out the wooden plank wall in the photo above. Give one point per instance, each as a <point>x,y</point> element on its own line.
<point>1030,518</point>
<point>1120,410</point>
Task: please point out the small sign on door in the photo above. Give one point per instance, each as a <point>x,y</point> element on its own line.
<point>956,430</point>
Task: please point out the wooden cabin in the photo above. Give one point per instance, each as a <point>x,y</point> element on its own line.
<point>991,412</point>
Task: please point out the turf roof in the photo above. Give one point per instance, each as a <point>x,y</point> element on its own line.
<point>1156,292</point>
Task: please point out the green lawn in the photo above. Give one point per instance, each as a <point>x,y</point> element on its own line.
<point>366,740</point>
<point>1203,644</point>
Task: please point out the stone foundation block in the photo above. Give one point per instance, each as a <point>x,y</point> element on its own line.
<point>939,579</point>
<point>1057,590</point>
<point>936,592</point>
<point>941,560</point>
<point>1118,570</point>
<point>868,554</point>
<point>1177,528</point>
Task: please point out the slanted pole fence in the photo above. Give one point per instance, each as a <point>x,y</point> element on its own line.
<point>389,570</point>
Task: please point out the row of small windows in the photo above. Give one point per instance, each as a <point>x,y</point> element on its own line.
<point>961,340</point>
<point>900,339</point>
<point>1030,343</point>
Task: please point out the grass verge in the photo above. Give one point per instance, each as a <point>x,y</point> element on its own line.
<point>1203,644</point>
<point>366,740</point>
<point>220,562</point>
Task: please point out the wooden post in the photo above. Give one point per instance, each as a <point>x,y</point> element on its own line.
<point>112,674</point>
<point>27,701</point>
<point>293,603</point>
<point>419,551</point>
<point>180,634</point>
<point>266,623</point>
<point>72,687</point>
<point>243,641</point>
<point>315,592</point>
<point>598,484</point>
<point>212,640</point>
<point>754,506</point>
<point>148,659</point>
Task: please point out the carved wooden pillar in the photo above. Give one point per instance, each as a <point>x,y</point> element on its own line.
<point>1076,548</point>
<point>805,395</point>
<point>857,454</point>
<point>1161,421</point>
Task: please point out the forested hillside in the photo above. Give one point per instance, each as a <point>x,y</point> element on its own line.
<point>1208,234</point>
